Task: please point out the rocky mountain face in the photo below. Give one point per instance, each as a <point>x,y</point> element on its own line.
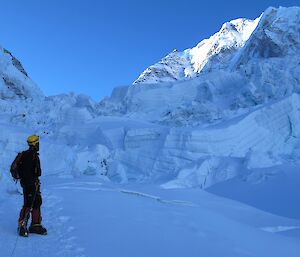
<point>274,34</point>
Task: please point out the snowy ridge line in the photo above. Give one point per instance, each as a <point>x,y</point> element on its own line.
<point>128,192</point>
<point>279,229</point>
<point>159,199</point>
<point>85,188</point>
<point>81,183</point>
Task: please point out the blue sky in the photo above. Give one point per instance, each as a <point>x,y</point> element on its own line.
<point>89,46</point>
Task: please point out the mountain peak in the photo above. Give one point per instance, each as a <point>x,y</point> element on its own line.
<point>187,64</point>
<point>14,80</point>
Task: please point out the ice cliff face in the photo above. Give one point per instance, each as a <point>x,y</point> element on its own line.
<point>265,137</point>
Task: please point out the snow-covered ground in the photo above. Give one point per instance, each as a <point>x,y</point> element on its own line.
<point>204,164</point>
<point>87,216</point>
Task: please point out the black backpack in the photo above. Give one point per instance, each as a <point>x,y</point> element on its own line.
<point>15,166</point>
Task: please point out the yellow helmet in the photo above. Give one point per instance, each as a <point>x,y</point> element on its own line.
<point>33,140</point>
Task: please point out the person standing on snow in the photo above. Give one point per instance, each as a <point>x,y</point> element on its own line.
<point>29,173</point>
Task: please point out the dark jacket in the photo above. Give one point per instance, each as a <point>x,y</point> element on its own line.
<point>30,168</point>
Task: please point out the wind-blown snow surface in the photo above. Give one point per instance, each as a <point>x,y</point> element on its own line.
<point>125,177</point>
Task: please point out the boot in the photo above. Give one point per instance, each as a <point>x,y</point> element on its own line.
<point>36,226</point>
<point>22,222</point>
<point>37,229</point>
<point>22,230</point>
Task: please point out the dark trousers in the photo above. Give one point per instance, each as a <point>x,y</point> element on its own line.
<point>32,198</point>
<point>31,195</point>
